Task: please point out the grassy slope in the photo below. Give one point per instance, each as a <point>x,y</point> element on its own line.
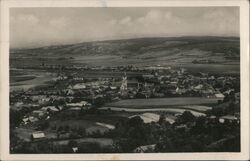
<point>143,51</point>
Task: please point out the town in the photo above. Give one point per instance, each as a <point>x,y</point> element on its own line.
<point>125,109</point>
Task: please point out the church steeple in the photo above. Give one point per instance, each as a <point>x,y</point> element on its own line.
<point>124,85</point>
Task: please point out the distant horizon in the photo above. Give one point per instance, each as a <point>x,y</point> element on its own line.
<point>37,27</point>
<point>107,40</point>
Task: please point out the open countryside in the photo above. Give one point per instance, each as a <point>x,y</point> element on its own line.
<point>82,104</point>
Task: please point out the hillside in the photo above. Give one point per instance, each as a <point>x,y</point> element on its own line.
<point>171,51</point>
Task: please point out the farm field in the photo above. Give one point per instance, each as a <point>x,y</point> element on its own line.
<point>162,102</point>
<point>25,133</point>
<point>24,79</point>
<point>100,141</point>
<point>90,126</point>
<point>171,110</point>
<point>108,74</point>
<point>196,108</point>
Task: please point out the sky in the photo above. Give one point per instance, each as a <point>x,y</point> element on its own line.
<point>35,27</point>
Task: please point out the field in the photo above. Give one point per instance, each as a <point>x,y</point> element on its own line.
<point>196,105</point>
<point>173,110</point>
<point>90,126</point>
<point>100,141</point>
<point>25,133</point>
<point>23,79</point>
<point>162,102</point>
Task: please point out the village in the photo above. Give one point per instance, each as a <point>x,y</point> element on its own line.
<point>73,93</point>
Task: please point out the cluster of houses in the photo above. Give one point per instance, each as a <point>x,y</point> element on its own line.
<point>74,92</point>
<point>179,83</point>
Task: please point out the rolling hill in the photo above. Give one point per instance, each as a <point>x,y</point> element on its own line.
<point>223,52</point>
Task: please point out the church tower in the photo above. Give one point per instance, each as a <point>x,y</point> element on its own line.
<point>124,85</point>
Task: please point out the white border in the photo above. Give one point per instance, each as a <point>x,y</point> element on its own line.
<point>4,81</point>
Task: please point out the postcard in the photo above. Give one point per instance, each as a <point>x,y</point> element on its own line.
<point>124,80</point>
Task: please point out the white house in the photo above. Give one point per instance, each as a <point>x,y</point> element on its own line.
<point>38,135</point>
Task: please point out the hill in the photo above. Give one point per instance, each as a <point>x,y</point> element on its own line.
<point>169,51</point>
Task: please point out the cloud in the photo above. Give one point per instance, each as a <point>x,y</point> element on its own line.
<point>154,15</point>
<point>160,23</point>
<point>222,22</point>
<point>25,19</point>
<point>113,22</point>
<point>125,20</point>
<point>58,22</point>
<point>35,27</point>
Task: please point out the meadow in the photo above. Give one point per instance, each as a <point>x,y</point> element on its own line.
<point>161,102</point>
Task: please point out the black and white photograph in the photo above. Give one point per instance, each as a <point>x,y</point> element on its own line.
<point>87,80</point>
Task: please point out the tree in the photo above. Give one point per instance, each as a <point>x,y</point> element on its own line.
<point>82,131</point>
<point>200,125</point>
<point>72,143</point>
<point>44,125</point>
<point>135,121</point>
<point>162,119</point>
<point>187,116</point>
<point>99,101</point>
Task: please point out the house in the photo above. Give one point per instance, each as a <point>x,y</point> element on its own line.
<point>148,76</point>
<point>75,149</point>
<point>38,113</point>
<point>157,94</point>
<point>69,92</point>
<point>198,87</point>
<point>212,119</point>
<point>207,93</point>
<point>75,108</point>
<point>38,135</point>
<point>113,87</point>
<point>79,86</point>
<point>18,104</point>
<point>220,96</point>
<point>182,127</point>
<point>33,119</point>
<point>180,90</point>
<point>237,96</point>
<point>220,78</point>
<point>79,104</point>
<point>25,120</point>
<point>37,97</point>
<point>229,119</point>
<point>147,117</point>
<point>43,100</point>
<point>145,149</point>
<point>109,126</point>
<point>174,83</point>
<point>51,108</point>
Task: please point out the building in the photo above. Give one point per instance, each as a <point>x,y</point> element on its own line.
<point>79,104</point>
<point>51,109</point>
<point>124,85</point>
<point>219,96</point>
<point>145,149</point>
<point>38,113</point>
<point>229,119</point>
<point>38,135</point>
<point>79,86</point>
<point>148,117</point>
